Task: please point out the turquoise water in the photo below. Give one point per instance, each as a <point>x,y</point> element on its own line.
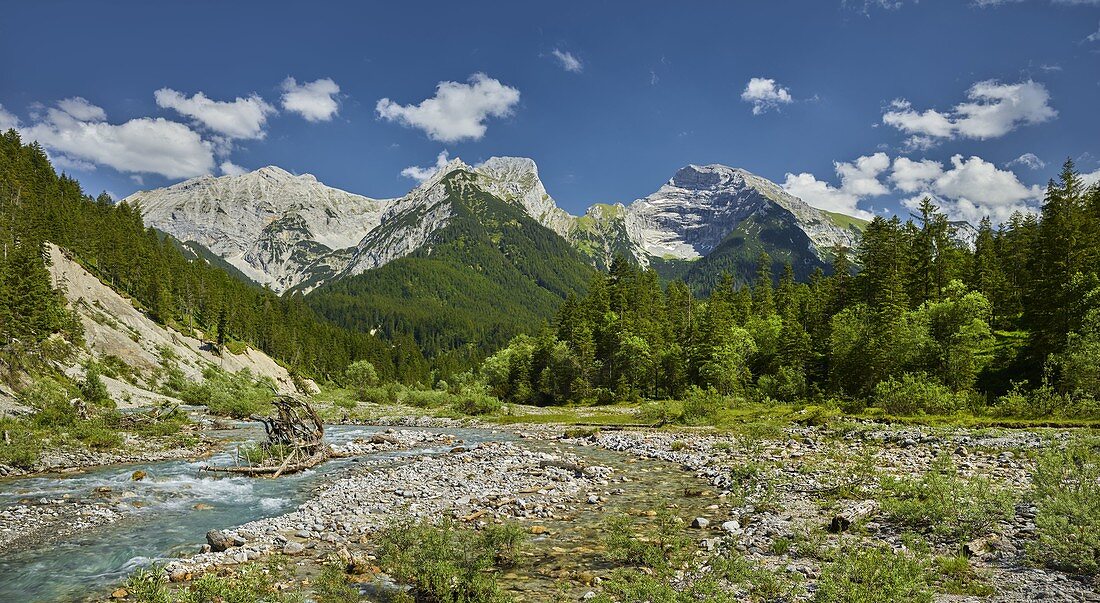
<point>167,524</point>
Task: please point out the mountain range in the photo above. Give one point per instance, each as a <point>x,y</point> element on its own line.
<point>294,233</point>
<point>476,254</point>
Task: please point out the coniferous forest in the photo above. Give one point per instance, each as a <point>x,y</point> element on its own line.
<point>911,321</point>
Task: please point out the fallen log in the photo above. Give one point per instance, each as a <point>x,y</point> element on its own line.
<point>295,432</point>
<point>852,513</point>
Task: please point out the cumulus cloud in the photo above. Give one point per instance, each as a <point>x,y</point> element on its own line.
<point>1029,160</point>
<point>823,195</point>
<point>861,176</point>
<point>970,189</point>
<point>568,61</point>
<point>315,101</point>
<point>79,108</point>
<point>765,94</point>
<point>457,111</point>
<point>967,189</point>
<point>231,169</point>
<point>910,176</point>
<point>859,180</point>
<point>1091,178</point>
<point>77,134</point>
<point>423,173</point>
<point>8,120</point>
<point>242,118</point>
<point>992,110</point>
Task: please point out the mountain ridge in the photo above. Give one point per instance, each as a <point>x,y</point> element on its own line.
<point>294,233</point>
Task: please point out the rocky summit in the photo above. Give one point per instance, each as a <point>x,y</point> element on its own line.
<point>291,232</point>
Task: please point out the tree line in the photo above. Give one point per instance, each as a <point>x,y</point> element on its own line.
<point>911,316</point>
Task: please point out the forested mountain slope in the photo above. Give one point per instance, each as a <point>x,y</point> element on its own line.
<point>38,205</point>
<point>490,272</point>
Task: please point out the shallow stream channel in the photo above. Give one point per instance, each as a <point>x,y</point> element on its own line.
<point>167,514</point>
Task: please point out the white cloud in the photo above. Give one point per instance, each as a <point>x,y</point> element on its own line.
<point>910,176</point>
<point>987,3</point>
<point>971,189</point>
<point>993,110</point>
<point>861,176</point>
<point>858,180</point>
<point>568,61</point>
<point>231,169</point>
<point>1030,160</point>
<point>1095,36</point>
<point>315,101</point>
<point>1091,178</point>
<point>75,131</point>
<point>423,173</point>
<point>968,189</point>
<point>765,94</point>
<point>8,120</point>
<point>457,111</point>
<point>242,118</point>
<point>81,109</point>
<point>823,195</point>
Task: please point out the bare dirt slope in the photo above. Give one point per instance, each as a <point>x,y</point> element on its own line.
<point>114,327</point>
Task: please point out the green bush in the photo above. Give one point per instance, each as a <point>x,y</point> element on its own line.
<point>700,406</point>
<point>92,387</point>
<point>1067,494</point>
<point>449,564</point>
<point>476,404</point>
<point>360,375</point>
<point>915,394</point>
<point>663,546</point>
<point>237,395</point>
<point>24,448</point>
<point>943,503</point>
<point>254,582</point>
<point>659,413</point>
<point>874,575</point>
<point>425,398</point>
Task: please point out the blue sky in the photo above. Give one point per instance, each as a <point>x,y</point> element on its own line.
<point>854,106</point>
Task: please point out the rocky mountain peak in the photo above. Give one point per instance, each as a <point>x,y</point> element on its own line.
<point>707,177</point>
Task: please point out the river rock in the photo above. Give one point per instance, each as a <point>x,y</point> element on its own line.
<point>293,548</point>
<point>220,541</point>
<point>700,522</point>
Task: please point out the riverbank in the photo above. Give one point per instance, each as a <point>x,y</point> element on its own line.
<point>790,501</point>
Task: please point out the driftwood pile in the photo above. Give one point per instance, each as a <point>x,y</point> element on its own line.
<point>295,442</point>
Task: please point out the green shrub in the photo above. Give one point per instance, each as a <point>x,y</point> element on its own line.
<point>700,406</point>
<point>874,575</point>
<point>659,413</point>
<point>446,563</point>
<point>333,586</point>
<point>945,504</point>
<point>24,447</point>
<point>663,546</point>
<point>237,395</point>
<point>476,404</point>
<point>92,387</point>
<point>254,582</point>
<point>426,398</point>
<point>1067,493</point>
<point>51,400</point>
<point>915,394</point>
<point>360,375</point>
